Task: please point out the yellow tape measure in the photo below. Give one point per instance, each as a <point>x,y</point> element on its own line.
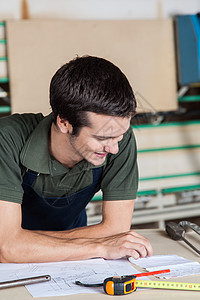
<point>168,285</point>
<point>122,285</point>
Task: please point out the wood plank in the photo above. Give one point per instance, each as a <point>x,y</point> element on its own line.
<point>162,183</point>
<point>165,163</point>
<point>3,67</point>
<point>167,136</point>
<point>143,49</point>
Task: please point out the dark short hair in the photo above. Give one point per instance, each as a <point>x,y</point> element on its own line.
<point>90,84</point>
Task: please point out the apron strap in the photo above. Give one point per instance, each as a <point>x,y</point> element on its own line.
<point>30,176</point>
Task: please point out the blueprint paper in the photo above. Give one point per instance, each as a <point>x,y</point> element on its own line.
<point>159,260</point>
<point>64,275</point>
<point>179,266</point>
<point>186,269</point>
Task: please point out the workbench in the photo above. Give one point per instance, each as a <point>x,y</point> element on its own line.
<point>162,245</point>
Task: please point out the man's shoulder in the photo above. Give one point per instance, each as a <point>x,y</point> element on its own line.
<point>16,128</point>
<point>20,123</point>
<point>21,119</point>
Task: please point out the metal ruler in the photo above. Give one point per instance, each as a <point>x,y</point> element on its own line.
<point>169,285</point>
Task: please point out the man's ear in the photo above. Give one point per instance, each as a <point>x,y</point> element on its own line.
<point>64,125</point>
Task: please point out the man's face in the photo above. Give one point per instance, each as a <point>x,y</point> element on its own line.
<point>95,142</point>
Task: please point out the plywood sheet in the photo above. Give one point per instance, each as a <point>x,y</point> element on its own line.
<point>167,163</point>
<point>170,182</point>
<point>187,134</point>
<point>143,49</point>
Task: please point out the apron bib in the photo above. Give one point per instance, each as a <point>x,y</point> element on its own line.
<point>56,213</point>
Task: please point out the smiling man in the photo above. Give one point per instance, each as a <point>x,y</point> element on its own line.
<point>52,166</point>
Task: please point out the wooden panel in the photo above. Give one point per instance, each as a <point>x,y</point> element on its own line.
<point>165,163</point>
<point>2,30</point>
<point>143,49</point>
<point>168,155</point>
<point>3,67</point>
<point>170,182</point>
<point>168,135</point>
<point>2,48</point>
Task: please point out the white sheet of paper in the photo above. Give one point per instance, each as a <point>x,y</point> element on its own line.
<point>179,270</point>
<point>179,266</point>
<point>64,275</point>
<point>159,260</point>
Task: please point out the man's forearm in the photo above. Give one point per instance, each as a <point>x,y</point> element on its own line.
<point>29,246</point>
<point>110,239</point>
<point>26,246</point>
<point>93,231</point>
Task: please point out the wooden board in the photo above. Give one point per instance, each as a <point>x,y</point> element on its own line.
<point>184,134</point>
<point>168,155</point>
<point>3,68</point>
<point>167,163</point>
<point>143,49</point>
<point>165,183</point>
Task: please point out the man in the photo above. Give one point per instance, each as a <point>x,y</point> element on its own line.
<point>50,168</point>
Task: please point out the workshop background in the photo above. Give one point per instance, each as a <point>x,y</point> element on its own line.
<point>156,43</point>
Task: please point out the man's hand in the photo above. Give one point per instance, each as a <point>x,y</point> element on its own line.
<point>129,243</point>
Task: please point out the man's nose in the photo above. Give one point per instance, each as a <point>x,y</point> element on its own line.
<point>112,147</point>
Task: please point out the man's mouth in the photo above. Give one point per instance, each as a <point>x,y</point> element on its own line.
<point>100,155</point>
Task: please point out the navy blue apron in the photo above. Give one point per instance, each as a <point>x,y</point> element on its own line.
<point>56,213</point>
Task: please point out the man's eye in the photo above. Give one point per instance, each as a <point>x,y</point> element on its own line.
<point>101,139</point>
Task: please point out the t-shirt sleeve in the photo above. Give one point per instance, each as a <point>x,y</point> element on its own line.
<point>13,133</point>
<point>120,176</point>
<point>10,173</point>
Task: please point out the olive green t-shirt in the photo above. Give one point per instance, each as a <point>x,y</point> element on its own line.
<point>24,145</point>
